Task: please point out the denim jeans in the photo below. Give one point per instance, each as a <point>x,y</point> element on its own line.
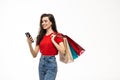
<point>47,68</point>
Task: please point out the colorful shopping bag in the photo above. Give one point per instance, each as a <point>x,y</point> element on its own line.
<point>73,49</point>
<point>74,54</point>
<point>78,49</point>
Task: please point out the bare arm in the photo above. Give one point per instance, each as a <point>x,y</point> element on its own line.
<point>35,51</point>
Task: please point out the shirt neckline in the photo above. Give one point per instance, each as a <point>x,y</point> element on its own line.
<point>49,34</point>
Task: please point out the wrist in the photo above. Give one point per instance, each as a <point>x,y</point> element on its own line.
<point>29,43</point>
<point>52,40</point>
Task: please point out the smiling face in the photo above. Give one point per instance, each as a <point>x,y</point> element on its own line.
<point>46,23</point>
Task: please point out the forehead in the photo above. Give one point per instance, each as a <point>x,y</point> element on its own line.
<point>45,18</point>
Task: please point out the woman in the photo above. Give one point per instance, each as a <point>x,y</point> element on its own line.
<point>49,45</point>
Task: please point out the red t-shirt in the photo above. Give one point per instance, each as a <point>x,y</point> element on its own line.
<point>47,47</point>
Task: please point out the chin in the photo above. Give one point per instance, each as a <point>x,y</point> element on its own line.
<point>44,27</point>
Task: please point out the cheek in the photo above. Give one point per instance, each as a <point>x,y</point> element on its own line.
<point>50,24</point>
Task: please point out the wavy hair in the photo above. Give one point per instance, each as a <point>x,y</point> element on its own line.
<point>42,31</point>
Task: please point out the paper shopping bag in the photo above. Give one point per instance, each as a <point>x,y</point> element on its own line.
<point>67,57</point>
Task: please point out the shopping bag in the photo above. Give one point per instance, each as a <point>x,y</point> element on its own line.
<point>74,54</point>
<point>77,48</point>
<point>67,57</point>
<point>73,49</point>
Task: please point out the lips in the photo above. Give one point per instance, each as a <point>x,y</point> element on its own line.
<point>44,26</point>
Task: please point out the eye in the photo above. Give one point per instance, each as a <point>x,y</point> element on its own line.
<point>45,21</point>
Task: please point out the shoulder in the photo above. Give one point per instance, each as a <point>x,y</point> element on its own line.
<point>59,34</point>
<point>59,37</point>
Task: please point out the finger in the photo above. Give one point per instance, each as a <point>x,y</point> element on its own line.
<point>31,39</point>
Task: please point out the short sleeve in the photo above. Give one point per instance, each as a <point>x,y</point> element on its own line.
<point>58,39</point>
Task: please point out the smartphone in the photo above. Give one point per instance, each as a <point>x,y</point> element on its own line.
<point>28,35</point>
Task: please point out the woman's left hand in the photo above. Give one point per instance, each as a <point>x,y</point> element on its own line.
<point>53,36</point>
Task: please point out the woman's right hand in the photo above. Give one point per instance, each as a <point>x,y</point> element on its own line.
<point>29,40</point>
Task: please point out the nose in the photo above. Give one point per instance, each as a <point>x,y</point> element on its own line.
<point>43,23</point>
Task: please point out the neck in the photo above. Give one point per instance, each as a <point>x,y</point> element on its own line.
<point>49,31</point>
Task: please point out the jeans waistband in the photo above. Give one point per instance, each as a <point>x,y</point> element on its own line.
<point>48,55</point>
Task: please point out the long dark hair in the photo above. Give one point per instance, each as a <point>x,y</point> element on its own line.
<point>43,31</point>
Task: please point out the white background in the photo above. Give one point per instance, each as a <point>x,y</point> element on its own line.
<point>94,24</point>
